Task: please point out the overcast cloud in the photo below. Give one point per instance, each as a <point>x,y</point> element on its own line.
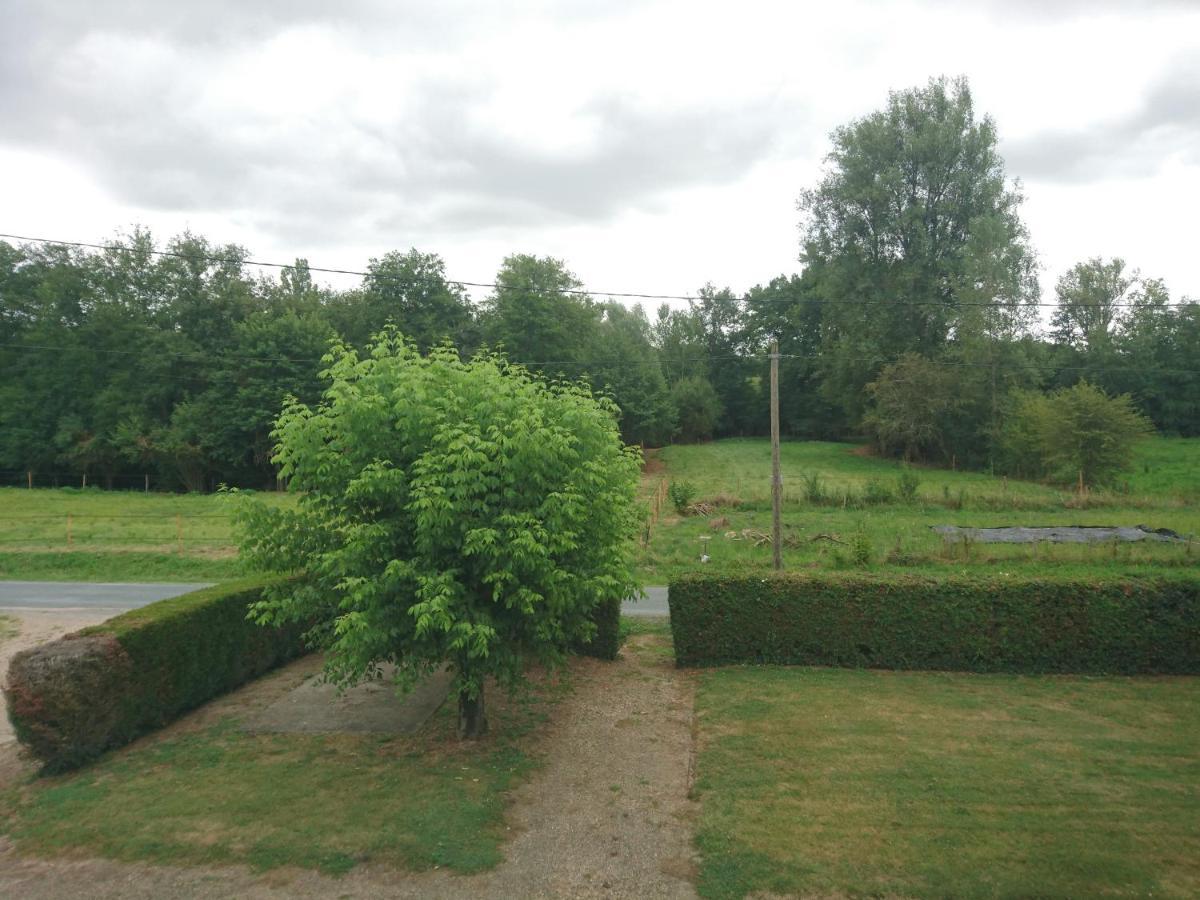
<point>654,146</point>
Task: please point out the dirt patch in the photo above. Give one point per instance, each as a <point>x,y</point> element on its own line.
<point>318,707</point>
<point>652,464</point>
<point>607,815</point>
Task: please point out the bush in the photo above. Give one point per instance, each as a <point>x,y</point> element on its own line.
<point>681,494</point>
<point>1077,433</point>
<point>861,549</point>
<point>876,493</point>
<point>906,485</point>
<point>1125,625</point>
<point>814,490</point>
<point>74,698</point>
<point>607,640</point>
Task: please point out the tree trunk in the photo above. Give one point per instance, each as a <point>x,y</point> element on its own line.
<point>472,722</point>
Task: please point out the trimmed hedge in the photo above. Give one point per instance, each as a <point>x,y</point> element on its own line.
<point>1117,625</point>
<point>74,698</point>
<point>607,640</point>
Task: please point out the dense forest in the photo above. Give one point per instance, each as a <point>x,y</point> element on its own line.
<point>916,321</point>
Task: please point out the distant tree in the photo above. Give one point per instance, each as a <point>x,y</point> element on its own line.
<point>911,401</point>
<point>1090,298</point>
<point>626,366</point>
<point>698,409</point>
<point>1076,433</point>
<point>449,513</point>
<point>536,318</point>
<point>409,290</point>
<point>271,358</point>
<point>787,311</point>
<point>913,220</point>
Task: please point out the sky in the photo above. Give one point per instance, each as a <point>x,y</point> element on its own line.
<point>653,146</point>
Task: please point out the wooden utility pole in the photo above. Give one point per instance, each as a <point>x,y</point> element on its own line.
<point>776,477</point>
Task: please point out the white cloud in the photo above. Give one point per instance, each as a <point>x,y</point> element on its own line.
<point>654,146</point>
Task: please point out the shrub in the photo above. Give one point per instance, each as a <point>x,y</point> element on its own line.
<point>607,640</point>
<point>861,549</point>
<point>877,493</point>
<point>1121,625</point>
<point>74,698</point>
<point>681,494</point>
<point>906,485</point>
<point>814,489</point>
<point>1073,433</point>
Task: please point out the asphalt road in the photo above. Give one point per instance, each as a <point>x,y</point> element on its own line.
<point>81,595</point>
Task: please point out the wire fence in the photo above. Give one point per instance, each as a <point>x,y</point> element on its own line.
<point>156,532</point>
<point>65,478</point>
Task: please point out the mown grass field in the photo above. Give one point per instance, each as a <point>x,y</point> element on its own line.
<point>215,794</point>
<point>850,783</point>
<point>71,534</point>
<point>134,536</point>
<point>1163,491</point>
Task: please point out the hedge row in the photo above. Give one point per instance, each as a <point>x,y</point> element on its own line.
<point>963,623</point>
<point>72,699</point>
<point>607,640</point>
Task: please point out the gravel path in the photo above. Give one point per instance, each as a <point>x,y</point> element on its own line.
<point>608,815</point>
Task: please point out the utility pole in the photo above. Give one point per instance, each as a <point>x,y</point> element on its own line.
<point>776,478</point>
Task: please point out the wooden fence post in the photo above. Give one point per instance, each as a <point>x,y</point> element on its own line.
<point>179,533</point>
<point>70,540</point>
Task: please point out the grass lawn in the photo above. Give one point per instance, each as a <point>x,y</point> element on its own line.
<point>866,783</point>
<point>134,536</point>
<point>217,795</point>
<point>1164,492</point>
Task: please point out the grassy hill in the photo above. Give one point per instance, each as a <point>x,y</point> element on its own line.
<point>135,536</point>
<point>840,502</point>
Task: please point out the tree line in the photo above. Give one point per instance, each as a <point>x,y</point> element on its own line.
<point>915,321</point>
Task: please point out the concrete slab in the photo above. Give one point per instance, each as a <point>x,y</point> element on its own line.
<point>370,708</point>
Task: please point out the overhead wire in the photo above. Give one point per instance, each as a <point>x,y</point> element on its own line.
<point>581,291</point>
<point>663,362</point>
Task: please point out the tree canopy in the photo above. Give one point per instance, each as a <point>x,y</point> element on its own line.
<point>460,513</point>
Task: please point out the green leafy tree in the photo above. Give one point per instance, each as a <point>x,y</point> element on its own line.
<point>626,366</point>
<point>786,310</point>
<point>1074,433</point>
<point>1090,299</point>
<point>409,290</point>
<point>453,513</point>
<point>697,407</point>
<point>534,316</point>
<point>910,404</point>
<point>913,219</point>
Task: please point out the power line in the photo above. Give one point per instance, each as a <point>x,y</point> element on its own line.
<point>201,356</point>
<point>327,270</point>
<point>580,292</point>
<point>665,362</point>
